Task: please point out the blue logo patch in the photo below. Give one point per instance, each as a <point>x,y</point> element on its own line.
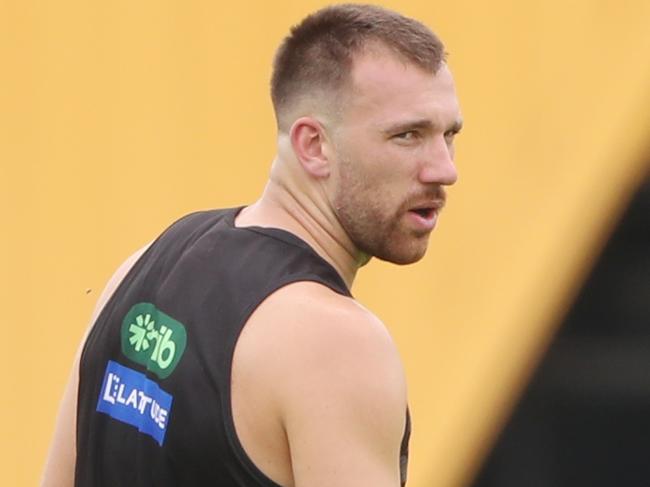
<point>128,396</point>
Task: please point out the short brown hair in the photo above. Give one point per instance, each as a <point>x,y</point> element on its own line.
<point>318,53</point>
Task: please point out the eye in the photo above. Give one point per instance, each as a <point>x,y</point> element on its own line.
<point>406,136</point>
<point>449,135</point>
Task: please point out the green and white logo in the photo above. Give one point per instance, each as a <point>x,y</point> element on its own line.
<point>153,339</point>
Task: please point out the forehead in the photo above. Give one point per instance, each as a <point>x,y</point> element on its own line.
<point>386,89</point>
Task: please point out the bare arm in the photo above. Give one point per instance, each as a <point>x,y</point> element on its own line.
<point>338,386</point>
<point>60,463</point>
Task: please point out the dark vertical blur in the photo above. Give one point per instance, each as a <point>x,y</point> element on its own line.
<point>584,420</point>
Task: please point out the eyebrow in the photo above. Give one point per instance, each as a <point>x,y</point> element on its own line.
<point>420,124</point>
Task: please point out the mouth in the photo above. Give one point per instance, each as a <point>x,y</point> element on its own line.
<point>426,212</point>
<point>427,209</point>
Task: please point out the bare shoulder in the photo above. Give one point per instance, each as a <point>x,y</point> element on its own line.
<point>329,370</point>
<point>313,310</point>
<point>312,325</point>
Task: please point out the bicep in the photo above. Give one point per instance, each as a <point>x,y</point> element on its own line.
<point>343,443</point>
<point>344,412</point>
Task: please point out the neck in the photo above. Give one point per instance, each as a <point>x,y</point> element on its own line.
<point>287,205</point>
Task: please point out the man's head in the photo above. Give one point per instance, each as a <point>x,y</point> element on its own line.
<point>367,101</point>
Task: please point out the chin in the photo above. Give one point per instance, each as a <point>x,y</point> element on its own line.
<point>392,245</point>
<point>403,256</point>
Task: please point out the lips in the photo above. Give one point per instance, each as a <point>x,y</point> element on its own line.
<point>426,208</point>
<point>425,214</point>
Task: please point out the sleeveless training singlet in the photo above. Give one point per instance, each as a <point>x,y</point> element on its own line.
<point>154,404</point>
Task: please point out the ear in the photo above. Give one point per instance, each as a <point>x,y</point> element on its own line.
<point>307,139</point>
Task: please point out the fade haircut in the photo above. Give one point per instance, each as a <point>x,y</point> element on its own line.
<point>317,55</point>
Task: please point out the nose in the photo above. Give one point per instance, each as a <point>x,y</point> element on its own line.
<point>438,164</point>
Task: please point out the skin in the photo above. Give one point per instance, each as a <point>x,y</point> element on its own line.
<point>395,153</point>
<point>318,393</point>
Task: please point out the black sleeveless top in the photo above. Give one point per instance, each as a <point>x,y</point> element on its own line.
<point>154,404</point>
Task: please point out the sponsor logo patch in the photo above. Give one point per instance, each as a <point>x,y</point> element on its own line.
<point>132,398</point>
<point>153,339</point>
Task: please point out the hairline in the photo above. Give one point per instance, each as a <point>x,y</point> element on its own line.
<point>336,96</point>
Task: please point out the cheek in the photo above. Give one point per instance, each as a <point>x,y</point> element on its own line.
<point>392,163</point>
<point>380,171</point>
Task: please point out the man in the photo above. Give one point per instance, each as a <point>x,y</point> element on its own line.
<point>230,351</point>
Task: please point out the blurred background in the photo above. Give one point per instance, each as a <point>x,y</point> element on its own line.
<point>116,118</point>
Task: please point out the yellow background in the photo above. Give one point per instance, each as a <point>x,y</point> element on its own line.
<point>118,117</point>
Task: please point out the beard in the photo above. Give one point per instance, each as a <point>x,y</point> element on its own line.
<point>373,222</point>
